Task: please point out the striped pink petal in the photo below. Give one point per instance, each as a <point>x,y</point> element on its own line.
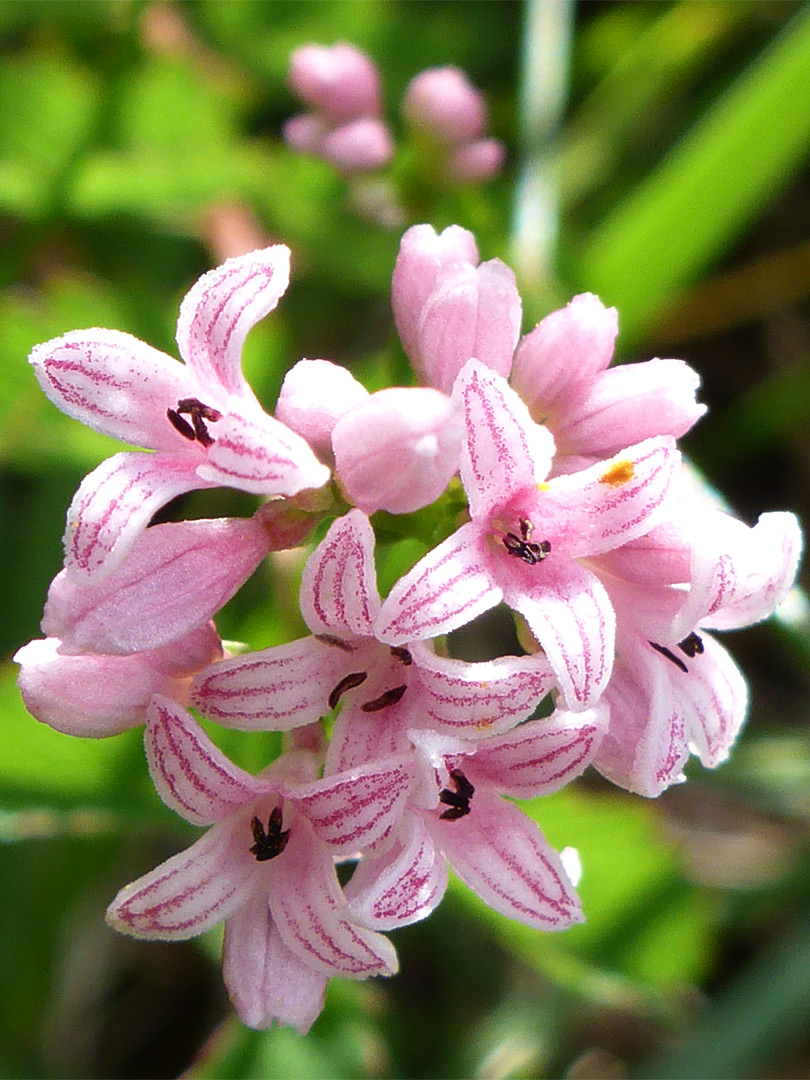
<point>571,616</point>
<point>313,918</point>
<point>254,452</point>
<point>505,450</point>
<point>116,384</point>
<point>539,757</point>
<point>266,982</point>
<point>191,774</point>
<point>115,502</point>
<point>503,856</point>
<point>403,885</point>
<point>446,589</point>
<point>476,700</point>
<point>275,689</point>
<point>350,810</point>
<point>339,589</point>
<point>187,894</point>
<point>221,308</point>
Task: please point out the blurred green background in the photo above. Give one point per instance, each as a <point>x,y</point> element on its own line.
<point>659,153</point>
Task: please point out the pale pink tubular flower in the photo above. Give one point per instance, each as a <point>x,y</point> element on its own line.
<point>202,418</point>
<point>460,816</point>
<point>95,696</point>
<point>266,866</point>
<point>383,691</point>
<point>560,372</point>
<point>527,537</point>
<point>175,578</point>
<point>339,80</point>
<point>448,307</point>
<point>675,690</point>
<point>342,86</point>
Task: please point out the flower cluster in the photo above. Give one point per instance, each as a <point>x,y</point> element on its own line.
<point>399,759</point>
<point>341,87</point>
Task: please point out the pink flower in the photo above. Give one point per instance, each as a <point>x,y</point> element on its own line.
<point>527,537</point>
<point>383,691</point>
<point>202,418</point>
<point>341,84</point>
<point>93,695</point>
<point>559,371</point>
<point>175,578</point>
<point>461,817</point>
<point>675,690</point>
<point>339,80</point>
<point>444,104</point>
<point>266,866</point>
<point>449,308</point>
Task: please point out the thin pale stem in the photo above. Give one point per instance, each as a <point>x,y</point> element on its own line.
<point>542,97</point>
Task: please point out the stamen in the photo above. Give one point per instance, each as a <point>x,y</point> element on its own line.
<point>183,427</point>
<point>348,682</point>
<point>458,800</point>
<point>267,845</point>
<point>402,654</point>
<point>691,645</point>
<point>196,431</point>
<point>676,660</point>
<point>390,697</point>
<point>522,547</point>
<point>335,642</point>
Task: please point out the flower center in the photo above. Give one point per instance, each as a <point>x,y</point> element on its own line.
<point>196,431</point>
<point>522,547</point>
<point>267,845</point>
<point>458,801</point>
<point>691,646</point>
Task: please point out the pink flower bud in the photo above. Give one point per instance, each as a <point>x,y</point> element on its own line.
<point>423,257</point>
<point>398,450</point>
<point>359,146</point>
<point>314,395</point>
<point>339,81</point>
<point>444,104</point>
<point>475,162</point>
<point>305,133</point>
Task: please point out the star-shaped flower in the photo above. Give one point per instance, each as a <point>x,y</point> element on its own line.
<point>202,418</point>
<point>528,538</point>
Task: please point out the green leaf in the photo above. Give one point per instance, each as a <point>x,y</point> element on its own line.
<point>676,223</point>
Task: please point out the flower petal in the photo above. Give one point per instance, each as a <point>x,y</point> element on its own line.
<point>191,774</point>
<point>398,449</point>
<point>446,589</point>
<point>476,700</point>
<point>503,856</point>
<point>314,396</point>
<point>539,757</point>
<point>315,921</point>
<point>266,982</point>
<point>566,350</point>
<point>571,616</point>
<point>221,308</point>
<point>338,588</point>
<point>505,451</point>
<point>472,311</point>
<point>403,885</point>
<point>253,452</point>
<point>275,689</point>
<point>609,504</point>
<point>115,502</point>
<point>350,810</point>
<point>116,384</point>
<point>360,737</point>
<point>95,696</point>
<point>187,894</point>
<point>175,578</point>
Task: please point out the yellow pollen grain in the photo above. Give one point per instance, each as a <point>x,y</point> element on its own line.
<point>618,474</point>
<point>543,486</point>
